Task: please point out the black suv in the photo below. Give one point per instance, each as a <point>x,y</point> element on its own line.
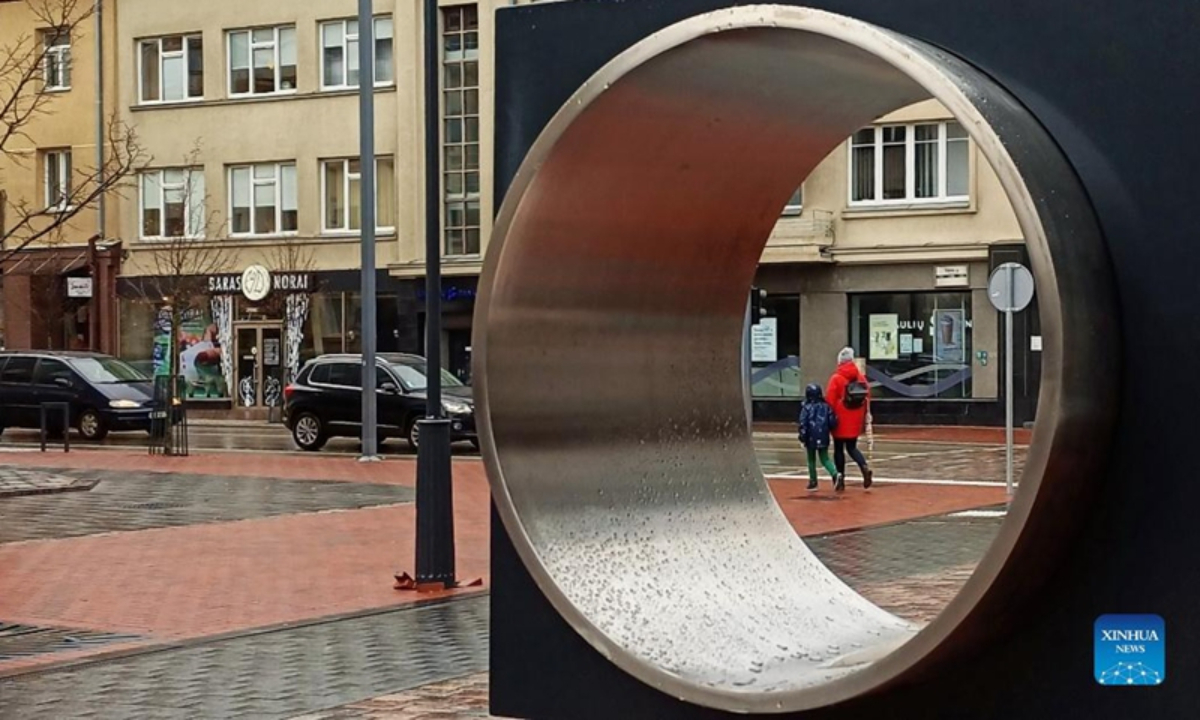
<point>326,400</point>
<point>104,393</point>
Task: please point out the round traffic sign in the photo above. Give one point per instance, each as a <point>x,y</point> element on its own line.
<point>1010,288</point>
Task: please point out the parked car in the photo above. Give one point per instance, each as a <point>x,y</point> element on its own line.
<point>325,400</point>
<point>103,393</point>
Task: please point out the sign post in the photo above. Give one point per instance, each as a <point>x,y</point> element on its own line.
<point>1010,289</point>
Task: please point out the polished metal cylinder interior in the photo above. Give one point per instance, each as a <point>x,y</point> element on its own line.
<point>607,354</point>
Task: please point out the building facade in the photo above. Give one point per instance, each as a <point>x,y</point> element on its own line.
<point>887,248</point>
<point>248,213</point>
<point>59,262</point>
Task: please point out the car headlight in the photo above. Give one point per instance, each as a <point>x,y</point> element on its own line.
<point>456,407</point>
<point>124,404</point>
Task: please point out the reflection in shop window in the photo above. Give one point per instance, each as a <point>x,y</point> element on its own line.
<point>917,345</point>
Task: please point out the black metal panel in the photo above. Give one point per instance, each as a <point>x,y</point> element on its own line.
<point>1114,82</point>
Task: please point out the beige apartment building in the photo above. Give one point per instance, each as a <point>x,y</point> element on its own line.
<point>250,113</point>
<point>45,169</point>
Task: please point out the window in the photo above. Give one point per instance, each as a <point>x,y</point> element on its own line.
<point>262,199</point>
<point>460,129</point>
<point>795,203</point>
<point>171,69</point>
<point>56,63</point>
<point>339,54</point>
<point>926,162</point>
<point>48,370</point>
<point>262,61</point>
<point>172,203</point>
<point>917,345</point>
<point>58,179</point>
<point>341,188</point>
<point>18,370</point>
<point>775,356</point>
<point>345,374</point>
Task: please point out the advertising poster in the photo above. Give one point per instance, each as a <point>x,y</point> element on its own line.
<point>885,337</point>
<point>906,344</point>
<point>948,344</point>
<point>199,354</point>
<point>764,341</point>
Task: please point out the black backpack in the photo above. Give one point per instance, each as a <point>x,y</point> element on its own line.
<point>856,395</point>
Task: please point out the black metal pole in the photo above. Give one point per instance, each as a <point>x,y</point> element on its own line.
<point>435,510</point>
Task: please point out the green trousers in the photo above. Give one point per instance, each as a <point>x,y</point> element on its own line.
<point>825,461</point>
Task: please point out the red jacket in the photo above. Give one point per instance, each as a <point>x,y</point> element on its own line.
<point>851,423</point>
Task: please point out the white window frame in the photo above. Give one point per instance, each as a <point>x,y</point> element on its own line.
<point>277,181</point>
<point>181,53</point>
<point>275,45</point>
<point>194,210</point>
<point>910,184</point>
<point>346,176</point>
<point>346,37</point>
<point>465,199</point>
<point>56,62</point>
<point>58,199</point>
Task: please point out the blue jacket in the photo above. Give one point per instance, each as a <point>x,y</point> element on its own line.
<point>817,420</point>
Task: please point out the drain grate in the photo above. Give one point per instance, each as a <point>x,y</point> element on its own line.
<point>21,641</point>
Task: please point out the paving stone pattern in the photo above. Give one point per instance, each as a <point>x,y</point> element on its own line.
<point>276,674</point>
<point>122,501</point>
<point>19,481</point>
<point>925,547</point>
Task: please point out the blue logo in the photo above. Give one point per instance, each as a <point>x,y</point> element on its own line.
<point>1130,650</point>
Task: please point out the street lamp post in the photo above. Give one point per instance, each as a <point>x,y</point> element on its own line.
<point>435,516</point>
<point>366,161</point>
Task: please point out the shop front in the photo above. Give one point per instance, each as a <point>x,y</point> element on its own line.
<point>926,333</point>
<point>248,334</point>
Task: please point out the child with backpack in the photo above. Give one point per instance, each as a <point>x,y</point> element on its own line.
<point>817,421</point>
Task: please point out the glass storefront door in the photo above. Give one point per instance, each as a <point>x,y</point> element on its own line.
<point>260,364</point>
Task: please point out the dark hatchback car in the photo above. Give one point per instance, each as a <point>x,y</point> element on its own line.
<point>326,400</point>
<point>104,393</point>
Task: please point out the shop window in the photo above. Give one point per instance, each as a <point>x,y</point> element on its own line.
<point>171,69</point>
<point>339,54</point>
<point>917,345</point>
<point>775,351</point>
<point>902,164</point>
<point>262,61</point>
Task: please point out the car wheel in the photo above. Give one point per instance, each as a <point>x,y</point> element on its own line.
<point>308,433</point>
<point>91,425</point>
<point>414,434</point>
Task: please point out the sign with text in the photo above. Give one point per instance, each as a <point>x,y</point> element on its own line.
<point>951,276</point>
<point>279,282</point>
<point>79,287</point>
<point>764,341</point>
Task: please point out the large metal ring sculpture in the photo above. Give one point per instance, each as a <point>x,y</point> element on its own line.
<point>607,352</point>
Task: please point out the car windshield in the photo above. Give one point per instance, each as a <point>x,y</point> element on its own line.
<point>414,372</point>
<point>107,370</point>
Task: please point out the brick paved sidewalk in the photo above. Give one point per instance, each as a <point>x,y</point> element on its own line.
<point>211,576</point>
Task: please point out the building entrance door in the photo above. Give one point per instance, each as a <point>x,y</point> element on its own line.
<point>260,364</point>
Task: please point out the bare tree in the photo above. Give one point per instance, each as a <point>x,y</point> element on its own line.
<point>28,67</point>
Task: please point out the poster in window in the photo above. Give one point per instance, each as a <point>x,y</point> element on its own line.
<point>270,351</point>
<point>764,341</point>
<point>949,345</point>
<point>885,337</point>
<point>906,344</point>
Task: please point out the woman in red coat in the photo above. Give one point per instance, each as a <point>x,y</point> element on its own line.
<point>850,420</point>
